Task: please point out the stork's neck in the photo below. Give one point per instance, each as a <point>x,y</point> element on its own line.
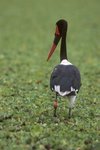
<point>63,49</point>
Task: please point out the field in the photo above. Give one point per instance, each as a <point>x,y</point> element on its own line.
<point>26,102</point>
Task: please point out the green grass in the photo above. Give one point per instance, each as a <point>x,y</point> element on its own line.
<point>26,102</point>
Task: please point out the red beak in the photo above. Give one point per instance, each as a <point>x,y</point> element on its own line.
<point>51,51</point>
<point>56,40</point>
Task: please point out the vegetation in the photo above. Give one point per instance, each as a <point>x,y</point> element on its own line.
<point>26,102</point>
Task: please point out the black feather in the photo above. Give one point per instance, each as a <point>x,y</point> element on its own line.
<point>66,76</point>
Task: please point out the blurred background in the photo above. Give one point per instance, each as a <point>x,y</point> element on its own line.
<point>30,25</point>
<point>26,35</point>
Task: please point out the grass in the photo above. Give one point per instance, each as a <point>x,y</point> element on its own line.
<point>26,102</point>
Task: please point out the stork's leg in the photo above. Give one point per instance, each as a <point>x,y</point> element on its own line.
<point>55,106</point>
<point>71,104</point>
<point>70,113</point>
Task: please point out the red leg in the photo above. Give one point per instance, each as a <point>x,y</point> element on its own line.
<point>55,106</point>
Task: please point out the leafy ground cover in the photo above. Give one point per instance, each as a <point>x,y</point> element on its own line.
<point>26,102</point>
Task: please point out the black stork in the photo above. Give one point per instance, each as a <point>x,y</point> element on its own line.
<point>65,79</point>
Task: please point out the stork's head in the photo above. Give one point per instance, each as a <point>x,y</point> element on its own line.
<point>60,31</point>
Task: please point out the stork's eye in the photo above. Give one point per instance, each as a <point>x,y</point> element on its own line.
<point>57,32</point>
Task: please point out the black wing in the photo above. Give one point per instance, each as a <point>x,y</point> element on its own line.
<point>66,76</point>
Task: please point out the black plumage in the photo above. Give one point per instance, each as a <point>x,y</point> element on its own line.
<point>66,76</point>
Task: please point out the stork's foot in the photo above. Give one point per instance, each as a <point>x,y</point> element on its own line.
<point>55,114</point>
<point>70,113</point>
